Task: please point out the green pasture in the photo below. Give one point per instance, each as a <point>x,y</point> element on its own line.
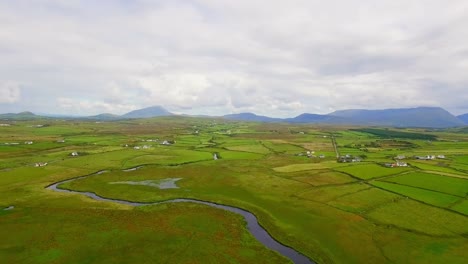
<point>427,196</point>
<point>332,212</point>
<point>434,182</point>
<point>369,170</point>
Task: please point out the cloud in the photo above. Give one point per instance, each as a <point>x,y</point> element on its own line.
<point>79,107</point>
<point>10,92</point>
<point>216,57</point>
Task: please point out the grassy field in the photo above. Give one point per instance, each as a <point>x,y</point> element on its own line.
<point>360,212</point>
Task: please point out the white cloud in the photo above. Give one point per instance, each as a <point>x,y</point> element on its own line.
<point>10,92</point>
<point>80,107</point>
<point>215,57</point>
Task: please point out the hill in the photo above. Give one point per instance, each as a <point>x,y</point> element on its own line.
<point>104,117</point>
<point>435,117</point>
<point>251,117</point>
<point>314,118</point>
<point>148,112</point>
<point>463,118</point>
<point>20,116</point>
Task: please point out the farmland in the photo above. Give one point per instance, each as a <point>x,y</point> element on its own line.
<point>360,211</point>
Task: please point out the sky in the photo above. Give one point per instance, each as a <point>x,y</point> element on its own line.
<point>216,57</point>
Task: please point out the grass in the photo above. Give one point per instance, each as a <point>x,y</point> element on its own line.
<point>332,212</point>
<point>461,206</point>
<point>416,217</point>
<point>368,199</point>
<point>302,167</point>
<point>370,171</point>
<point>323,178</point>
<point>439,183</point>
<point>182,233</point>
<point>427,196</point>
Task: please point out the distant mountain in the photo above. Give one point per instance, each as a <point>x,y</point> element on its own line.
<point>148,112</point>
<point>463,118</point>
<point>20,116</point>
<point>430,117</point>
<point>435,117</point>
<point>104,117</point>
<point>314,118</point>
<point>251,117</point>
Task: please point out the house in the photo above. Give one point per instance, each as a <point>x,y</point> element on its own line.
<point>136,147</point>
<point>40,164</point>
<point>441,156</point>
<point>74,154</point>
<point>401,164</point>
<point>146,147</point>
<point>166,143</point>
<point>427,157</point>
<point>28,142</point>
<point>215,156</point>
<point>400,157</point>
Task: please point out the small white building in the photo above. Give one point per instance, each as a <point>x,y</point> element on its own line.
<point>441,156</point>
<point>40,164</point>
<point>165,142</point>
<point>28,142</point>
<point>401,164</point>
<point>74,154</point>
<point>136,147</point>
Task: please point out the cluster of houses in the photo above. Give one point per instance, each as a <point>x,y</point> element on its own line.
<point>16,143</point>
<point>165,143</point>
<point>151,140</point>
<point>399,163</point>
<point>141,147</point>
<point>311,154</point>
<point>429,157</point>
<point>349,158</point>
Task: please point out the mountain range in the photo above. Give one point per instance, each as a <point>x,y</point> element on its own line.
<point>430,117</point>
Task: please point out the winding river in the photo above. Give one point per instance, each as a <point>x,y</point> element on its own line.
<point>252,224</point>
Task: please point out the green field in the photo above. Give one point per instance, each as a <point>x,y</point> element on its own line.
<point>359,212</point>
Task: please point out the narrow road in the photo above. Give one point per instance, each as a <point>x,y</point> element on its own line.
<point>334,145</point>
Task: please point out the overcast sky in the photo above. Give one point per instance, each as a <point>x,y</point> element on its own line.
<point>276,58</point>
